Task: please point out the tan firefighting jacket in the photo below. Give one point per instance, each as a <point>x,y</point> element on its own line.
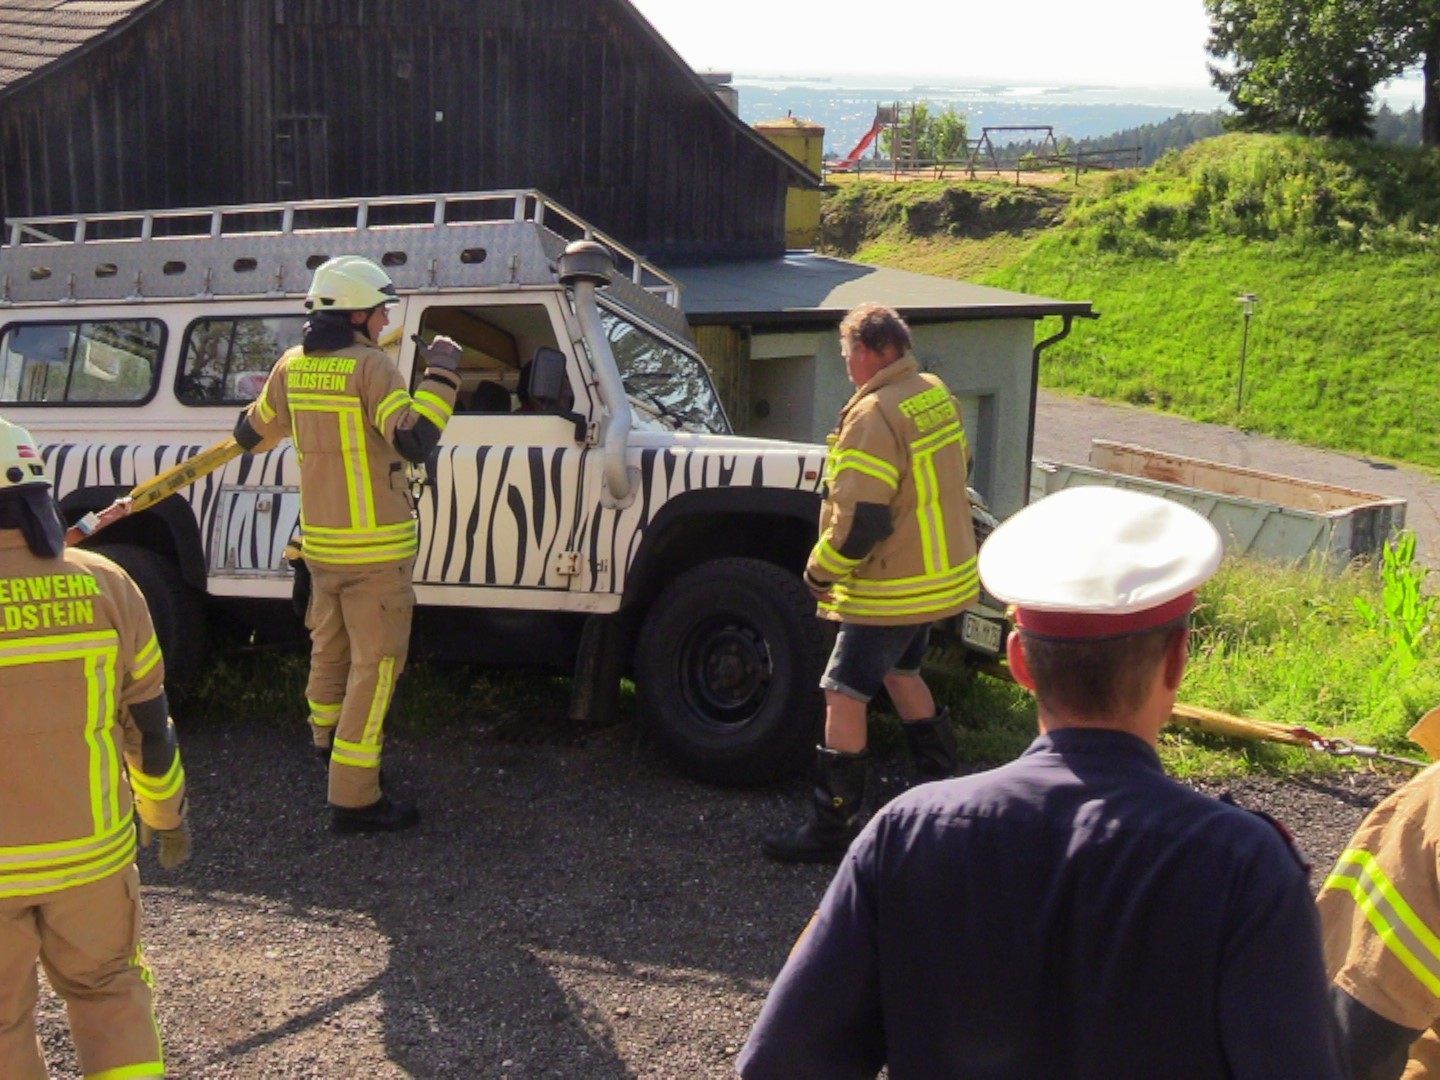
<point>343,411</point>
<point>896,545</point>
<point>84,730</point>
<point>1380,916</point>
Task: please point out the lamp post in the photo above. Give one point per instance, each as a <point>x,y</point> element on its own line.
<point>1247,302</point>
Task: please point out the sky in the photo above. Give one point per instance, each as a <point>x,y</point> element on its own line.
<point>1045,42</point>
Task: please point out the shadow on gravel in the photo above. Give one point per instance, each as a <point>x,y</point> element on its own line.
<point>562,911</point>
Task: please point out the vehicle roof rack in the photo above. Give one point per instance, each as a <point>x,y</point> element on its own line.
<point>427,244</point>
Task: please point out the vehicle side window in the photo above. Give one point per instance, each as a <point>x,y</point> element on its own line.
<point>100,362</point>
<point>226,360</point>
<point>497,342</point>
<point>664,379</point>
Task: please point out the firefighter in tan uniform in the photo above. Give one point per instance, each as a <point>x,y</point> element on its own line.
<point>86,744</point>
<point>896,553</point>
<point>1380,915</point>
<point>357,433</point>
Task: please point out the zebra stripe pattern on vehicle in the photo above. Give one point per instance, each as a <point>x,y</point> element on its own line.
<point>491,515</point>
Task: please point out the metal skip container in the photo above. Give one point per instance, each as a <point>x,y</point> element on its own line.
<point>1259,514</point>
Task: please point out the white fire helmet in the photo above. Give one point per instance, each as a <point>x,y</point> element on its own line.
<point>349,283</point>
<point>20,461</point>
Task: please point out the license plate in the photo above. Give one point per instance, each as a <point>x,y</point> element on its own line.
<point>981,633</point>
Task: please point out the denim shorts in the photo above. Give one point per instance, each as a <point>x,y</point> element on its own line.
<point>864,655</point>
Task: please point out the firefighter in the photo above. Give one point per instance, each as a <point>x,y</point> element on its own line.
<point>86,745</point>
<point>1380,911</point>
<point>358,435</point>
<point>896,553</point>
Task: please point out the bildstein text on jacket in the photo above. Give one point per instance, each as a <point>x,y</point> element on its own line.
<point>51,600</point>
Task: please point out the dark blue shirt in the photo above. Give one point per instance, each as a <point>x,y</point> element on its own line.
<point>1075,913</point>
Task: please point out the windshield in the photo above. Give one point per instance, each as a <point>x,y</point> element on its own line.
<point>670,387</point>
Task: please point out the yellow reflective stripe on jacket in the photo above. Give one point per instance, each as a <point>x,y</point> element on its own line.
<point>263,407</point>
<point>389,405</point>
<point>100,735</point>
<point>147,658</point>
<point>1400,930</point>
<point>357,469</point>
<point>42,868</point>
<point>62,852</point>
<point>433,407</point>
<point>966,574</point>
<point>350,423</point>
<point>355,546</point>
<point>343,534</point>
<point>831,561</point>
<point>913,596</point>
<point>159,788</point>
<point>868,464</point>
<point>934,546</point>
<point>98,652</point>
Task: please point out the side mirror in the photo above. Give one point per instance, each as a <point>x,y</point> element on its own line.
<point>548,388</point>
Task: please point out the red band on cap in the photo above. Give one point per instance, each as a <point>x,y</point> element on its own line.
<point>1090,624</point>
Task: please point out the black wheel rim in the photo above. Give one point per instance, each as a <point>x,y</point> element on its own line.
<point>725,670</point>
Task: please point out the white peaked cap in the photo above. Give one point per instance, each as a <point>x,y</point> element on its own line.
<point>1098,561</point>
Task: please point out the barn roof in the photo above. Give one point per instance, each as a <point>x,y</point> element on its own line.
<point>37,33</point>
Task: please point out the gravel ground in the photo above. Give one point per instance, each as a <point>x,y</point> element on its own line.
<point>565,911</point>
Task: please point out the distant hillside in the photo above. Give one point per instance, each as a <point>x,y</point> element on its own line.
<point>1340,241</point>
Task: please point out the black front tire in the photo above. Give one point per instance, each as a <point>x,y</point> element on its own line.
<point>727,670</point>
<point>177,610</point>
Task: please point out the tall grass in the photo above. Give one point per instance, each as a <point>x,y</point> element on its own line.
<point>1286,645</point>
<point>1291,646</point>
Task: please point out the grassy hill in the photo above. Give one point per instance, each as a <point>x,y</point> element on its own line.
<point>1338,240</point>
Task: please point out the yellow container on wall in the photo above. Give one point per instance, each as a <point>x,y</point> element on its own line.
<point>805,142</point>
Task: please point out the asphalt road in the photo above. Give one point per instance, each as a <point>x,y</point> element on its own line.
<point>1064,427</point>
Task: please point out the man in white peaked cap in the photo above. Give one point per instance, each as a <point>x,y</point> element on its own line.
<point>1076,912</point>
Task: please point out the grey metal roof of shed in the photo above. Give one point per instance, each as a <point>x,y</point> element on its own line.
<point>803,287</point>
<point>36,33</point>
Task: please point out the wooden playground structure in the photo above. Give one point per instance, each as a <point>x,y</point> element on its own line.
<point>898,126</point>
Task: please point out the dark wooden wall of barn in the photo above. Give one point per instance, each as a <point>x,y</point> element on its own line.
<point>206,102</point>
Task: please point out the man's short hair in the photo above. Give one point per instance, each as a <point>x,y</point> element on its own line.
<point>878,328</point>
<point>1097,679</point>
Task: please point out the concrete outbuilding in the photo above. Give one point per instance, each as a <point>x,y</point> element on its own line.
<point>768,329</point>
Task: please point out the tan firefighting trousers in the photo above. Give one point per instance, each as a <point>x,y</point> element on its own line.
<point>88,938</point>
<point>359,620</point>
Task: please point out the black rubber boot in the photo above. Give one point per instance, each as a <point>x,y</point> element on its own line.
<point>386,815</point>
<point>932,747</point>
<point>835,813</point>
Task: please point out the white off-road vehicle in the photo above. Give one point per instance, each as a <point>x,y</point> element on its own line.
<point>589,508</point>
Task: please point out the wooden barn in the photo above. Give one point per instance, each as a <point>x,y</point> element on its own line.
<point>142,104</point>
